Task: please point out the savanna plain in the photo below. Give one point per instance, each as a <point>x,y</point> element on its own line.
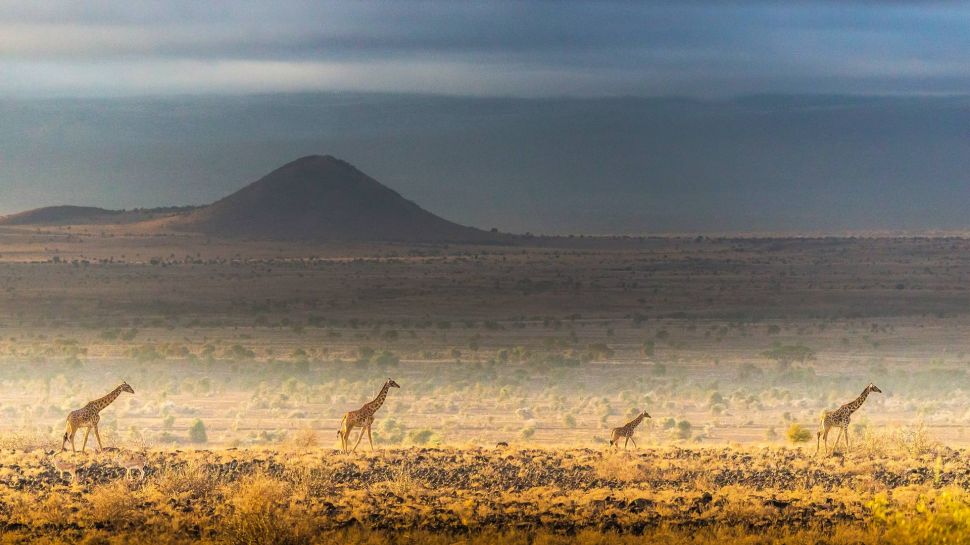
<point>514,363</point>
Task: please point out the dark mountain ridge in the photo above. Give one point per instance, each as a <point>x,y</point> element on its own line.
<point>314,198</point>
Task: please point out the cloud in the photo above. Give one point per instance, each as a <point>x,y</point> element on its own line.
<point>489,47</point>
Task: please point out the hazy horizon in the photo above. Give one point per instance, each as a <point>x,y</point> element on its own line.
<point>769,163</point>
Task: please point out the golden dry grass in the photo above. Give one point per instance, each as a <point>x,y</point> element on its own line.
<point>668,495</point>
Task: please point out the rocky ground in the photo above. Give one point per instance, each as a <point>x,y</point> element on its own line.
<point>199,494</point>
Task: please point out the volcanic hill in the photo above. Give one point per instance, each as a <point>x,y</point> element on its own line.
<point>314,198</point>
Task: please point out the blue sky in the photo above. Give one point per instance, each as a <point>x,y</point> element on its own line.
<point>520,48</point>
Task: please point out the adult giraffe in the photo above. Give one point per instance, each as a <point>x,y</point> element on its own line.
<point>840,418</point>
<point>87,417</point>
<point>626,431</point>
<point>363,417</point>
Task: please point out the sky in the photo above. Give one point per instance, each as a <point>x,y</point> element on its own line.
<point>549,117</point>
<point>519,48</point>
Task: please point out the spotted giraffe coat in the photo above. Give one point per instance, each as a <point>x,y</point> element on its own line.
<point>363,418</point>
<point>88,417</point>
<point>839,418</point>
<point>626,431</point>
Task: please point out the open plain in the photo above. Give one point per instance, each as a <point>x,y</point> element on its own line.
<point>244,356</point>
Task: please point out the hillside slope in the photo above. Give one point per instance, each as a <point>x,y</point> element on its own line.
<point>323,198</point>
<point>60,215</point>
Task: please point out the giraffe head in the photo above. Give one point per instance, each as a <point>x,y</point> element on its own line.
<point>392,384</point>
<point>646,414</point>
<point>125,388</point>
<point>873,388</point>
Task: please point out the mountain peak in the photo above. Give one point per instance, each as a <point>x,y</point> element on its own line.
<point>323,197</point>
<point>316,160</point>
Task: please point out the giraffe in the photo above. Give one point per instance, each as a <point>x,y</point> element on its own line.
<point>363,417</point>
<point>87,417</point>
<point>840,418</point>
<point>626,431</point>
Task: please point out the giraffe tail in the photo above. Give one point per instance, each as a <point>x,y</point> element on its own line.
<point>341,428</point>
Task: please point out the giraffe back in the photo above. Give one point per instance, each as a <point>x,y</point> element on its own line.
<point>84,417</point>
<point>622,431</point>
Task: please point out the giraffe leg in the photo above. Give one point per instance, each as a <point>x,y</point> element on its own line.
<point>71,437</point>
<point>346,426</point>
<point>359,437</point>
<point>837,439</point>
<point>825,439</point>
<point>846,439</point>
<point>634,442</point>
<point>340,433</point>
<point>98,437</point>
<point>87,431</point>
<point>350,430</point>
<point>345,438</point>
<point>626,442</point>
<point>369,438</point>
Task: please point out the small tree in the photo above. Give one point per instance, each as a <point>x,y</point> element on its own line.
<point>684,429</point>
<point>385,358</point>
<point>197,432</point>
<point>798,434</point>
<point>365,353</point>
<point>785,355</point>
<point>420,437</point>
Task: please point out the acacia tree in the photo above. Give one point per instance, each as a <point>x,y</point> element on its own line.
<point>785,355</point>
<point>197,432</point>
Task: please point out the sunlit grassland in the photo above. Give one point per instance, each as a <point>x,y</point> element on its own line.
<point>300,493</point>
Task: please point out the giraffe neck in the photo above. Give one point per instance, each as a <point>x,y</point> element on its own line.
<point>636,421</point>
<point>854,406</point>
<point>103,402</point>
<point>379,400</point>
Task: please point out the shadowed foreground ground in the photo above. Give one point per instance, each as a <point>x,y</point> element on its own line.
<point>479,496</point>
